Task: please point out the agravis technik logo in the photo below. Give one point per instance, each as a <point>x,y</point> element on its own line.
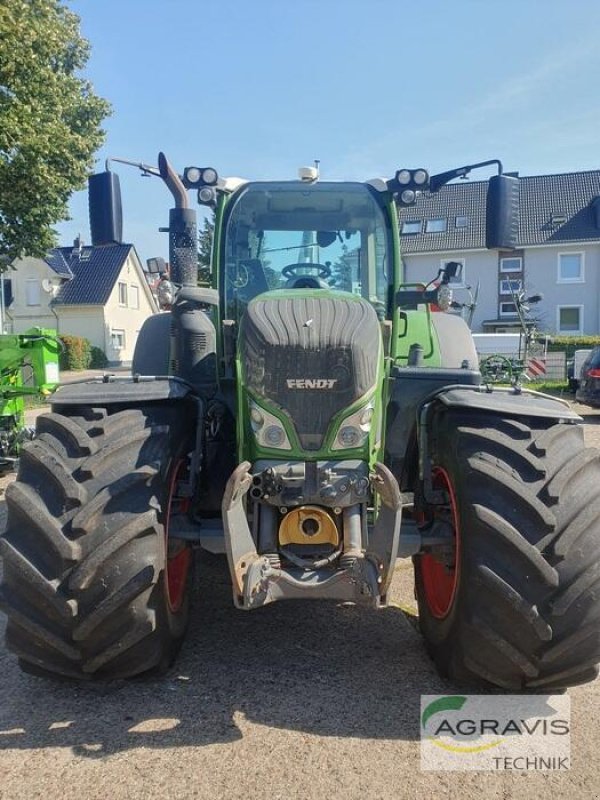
<point>495,732</point>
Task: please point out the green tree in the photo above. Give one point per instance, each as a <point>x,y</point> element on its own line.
<point>50,122</point>
<point>205,240</point>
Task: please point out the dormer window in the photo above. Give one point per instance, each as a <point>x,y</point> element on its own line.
<point>435,225</point>
<point>411,226</point>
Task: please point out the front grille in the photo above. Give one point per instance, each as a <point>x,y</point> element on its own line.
<point>311,356</point>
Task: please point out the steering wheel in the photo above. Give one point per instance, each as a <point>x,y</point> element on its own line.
<point>242,277</point>
<point>293,270</point>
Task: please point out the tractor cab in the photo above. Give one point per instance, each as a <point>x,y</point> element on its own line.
<point>299,236</point>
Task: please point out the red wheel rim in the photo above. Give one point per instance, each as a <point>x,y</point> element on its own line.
<point>178,566</point>
<point>439,580</point>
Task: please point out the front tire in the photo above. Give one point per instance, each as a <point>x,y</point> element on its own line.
<point>513,601</point>
<point>92,587</point>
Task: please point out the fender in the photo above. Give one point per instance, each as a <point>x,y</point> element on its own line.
<point>108,389</point>
<point>415,389</point>
<point>508,402</point>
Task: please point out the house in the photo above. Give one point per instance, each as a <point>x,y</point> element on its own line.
<point>558,254</point>
<point>98,292</point>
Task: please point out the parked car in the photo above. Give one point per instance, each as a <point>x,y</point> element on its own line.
<point>589,380</point>
<point>574,367</point>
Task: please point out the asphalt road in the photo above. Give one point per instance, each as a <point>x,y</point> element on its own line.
<point>293,701</point>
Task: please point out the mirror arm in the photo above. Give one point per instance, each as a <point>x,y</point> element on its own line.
<point>437,181</point>
<point>411,298</point>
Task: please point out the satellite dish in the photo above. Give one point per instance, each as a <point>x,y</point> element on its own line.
<point>47,285</point>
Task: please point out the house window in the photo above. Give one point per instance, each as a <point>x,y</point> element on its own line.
<point>134,297</point>
<point>462,222</point>
<point>122,293</point>
<point>510,286</point>
<point>514,264</point>
<point>32,292</point>
<point>570,319</point>
<point>7,290</point>
<point>458,281</point>
<point>435,226</point>
<point>570,268</point>
<point>117,339</point>
<point>411,226</point>
<point>507,309</point>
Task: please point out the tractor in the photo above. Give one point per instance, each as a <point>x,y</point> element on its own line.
<point>314,418</point>
<point>28,368</point>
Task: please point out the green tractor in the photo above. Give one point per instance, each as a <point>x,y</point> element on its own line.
<point>313,418</point>
<point>28,368</point>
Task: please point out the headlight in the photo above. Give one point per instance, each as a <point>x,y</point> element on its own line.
<point>354,430</point>
<point>420,177</point>
<point>192,175</point>
<point>268,430</point>
<point>349,436</point>
<point>209,176</point>
<point>444,297</point>
<point>274,435</point>
<point>403,177</point>
<point>206,195</point>
<point>166,293</point>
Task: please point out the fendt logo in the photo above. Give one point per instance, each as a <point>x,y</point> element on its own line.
<point>311,383</point>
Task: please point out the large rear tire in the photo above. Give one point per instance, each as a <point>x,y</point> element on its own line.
<point>514,601</point>
<point>93,587</point>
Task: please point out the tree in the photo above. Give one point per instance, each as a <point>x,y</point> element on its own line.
<point>50,122</point>
<point>205,240</point>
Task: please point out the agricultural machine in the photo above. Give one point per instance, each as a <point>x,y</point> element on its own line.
<point>28,368</point>
<point>314,418</point>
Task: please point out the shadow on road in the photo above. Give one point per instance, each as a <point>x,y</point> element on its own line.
<point>319,668</point>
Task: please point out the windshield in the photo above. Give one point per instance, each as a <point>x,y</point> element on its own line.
<point>326,235</point>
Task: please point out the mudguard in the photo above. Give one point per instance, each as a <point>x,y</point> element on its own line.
<point>108,389</point>
<point>414,388</point>
<point>508,402</point>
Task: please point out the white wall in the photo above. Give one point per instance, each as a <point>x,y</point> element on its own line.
<point>20,316</point>
<point>540,266</point>
<point>87,321</point>
<point>541,275</point>
<point>479,265</point>
<point>118,317</point>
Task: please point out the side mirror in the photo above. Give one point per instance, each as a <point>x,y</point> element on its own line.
<point>325,238</point>
<point>106,215</point>
<point>156,266</point>
<point>451,270</point>
<point>502,213</point>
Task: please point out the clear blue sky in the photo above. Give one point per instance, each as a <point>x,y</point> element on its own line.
<point>257,88</point>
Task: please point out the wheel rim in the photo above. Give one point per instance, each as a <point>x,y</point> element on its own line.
<point>178,565</point>
<point>440,581</point>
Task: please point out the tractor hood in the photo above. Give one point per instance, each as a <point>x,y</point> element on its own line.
<point>310,354</point>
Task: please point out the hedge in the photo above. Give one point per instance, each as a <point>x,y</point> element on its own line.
<point>98,359</point>
<point>76,353</point>
<point>569,344</point>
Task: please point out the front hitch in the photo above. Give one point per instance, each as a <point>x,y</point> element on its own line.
<point>363,575</point>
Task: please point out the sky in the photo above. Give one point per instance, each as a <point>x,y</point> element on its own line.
<point>258,88</point>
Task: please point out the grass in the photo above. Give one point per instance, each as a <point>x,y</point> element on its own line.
<point>35,401</point>
<point>550,387</point>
